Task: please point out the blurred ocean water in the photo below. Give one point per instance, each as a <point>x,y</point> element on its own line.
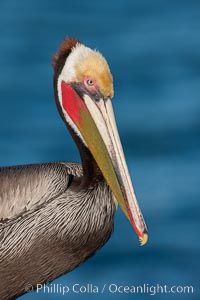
<point>153,49</point>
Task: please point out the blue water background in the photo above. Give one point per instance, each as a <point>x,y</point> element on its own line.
<point>153,48</point>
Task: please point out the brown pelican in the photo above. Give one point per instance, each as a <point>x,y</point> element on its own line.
<point>53,216</point>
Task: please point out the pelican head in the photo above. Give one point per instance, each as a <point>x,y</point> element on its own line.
<point>84,88</point>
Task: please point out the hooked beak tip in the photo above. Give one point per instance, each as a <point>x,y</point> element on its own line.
<point>144,238</point>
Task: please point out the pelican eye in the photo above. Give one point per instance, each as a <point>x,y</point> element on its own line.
<point>90,82</point>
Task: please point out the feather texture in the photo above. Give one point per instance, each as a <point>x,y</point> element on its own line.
<point>52,232</point>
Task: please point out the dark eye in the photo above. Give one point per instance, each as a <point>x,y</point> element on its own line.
<point>90,82</point>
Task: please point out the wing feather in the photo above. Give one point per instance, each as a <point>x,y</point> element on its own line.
<point>24,187</point>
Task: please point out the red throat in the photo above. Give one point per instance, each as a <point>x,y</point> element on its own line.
<point>72,103</point>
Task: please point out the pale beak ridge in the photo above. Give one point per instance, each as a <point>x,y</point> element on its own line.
<point>103,116</point>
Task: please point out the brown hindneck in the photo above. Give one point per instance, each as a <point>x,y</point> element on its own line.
<point>91,172</point>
